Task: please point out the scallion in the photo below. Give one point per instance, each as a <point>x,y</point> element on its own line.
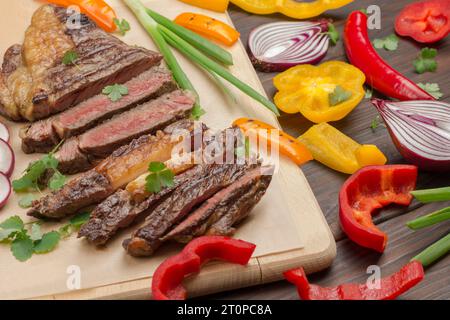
<point>434,252</point>
<point>430,219</point>
<point>212,66</point>
<point>432,195</point>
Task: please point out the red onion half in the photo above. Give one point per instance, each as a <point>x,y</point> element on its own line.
<point>281,45</point>
<point>420,131</point>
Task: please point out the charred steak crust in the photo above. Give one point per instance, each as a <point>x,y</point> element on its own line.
<point>177,206</point>
<point>44,135</point>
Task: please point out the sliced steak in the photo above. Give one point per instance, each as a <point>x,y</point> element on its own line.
<point>102,60</point>
<point>224,209</point>
<point>42,136</point>
<point>12,64</point>
<point>101,141</point>
<point>123,166</point>
<point>179,204</point>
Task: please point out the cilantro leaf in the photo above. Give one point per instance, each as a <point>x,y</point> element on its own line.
<point>433,89</point>
<point>65,231</point>
<point>197,112</point>
<point>375,123</point>
<point>160,176</point>
<point>80,219</point>
<point>115,92</point>
<point>36,233</point>
<point>123,25</point>
<point>27,200</point>
<point>368,94</point>
<point>22,247</point>
<point>333,34</point>
<point>57,181</point>
<point>426,62</point>
<point>389,43</point>
<point>13,223</point>
<point>70,57</point>
<point>48,242</point>
<point>339,95</point>
<point>6,234</point>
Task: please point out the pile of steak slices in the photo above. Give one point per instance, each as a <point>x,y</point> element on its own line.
<point>111,144</point>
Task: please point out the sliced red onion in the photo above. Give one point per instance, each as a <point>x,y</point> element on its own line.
<point>420,131</point>
<point>281,45</point>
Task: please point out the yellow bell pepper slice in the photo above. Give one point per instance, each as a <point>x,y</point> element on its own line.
<point>214,5</point>
<point>338,151</point>
<point>290,8</point>
<point>307,89</point>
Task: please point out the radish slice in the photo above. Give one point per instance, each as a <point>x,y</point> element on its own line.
<point>6,158</point>
<point>5,189</point>
<point>4,132</point>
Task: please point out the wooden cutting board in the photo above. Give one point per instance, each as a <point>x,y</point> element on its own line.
<point>288,226</point>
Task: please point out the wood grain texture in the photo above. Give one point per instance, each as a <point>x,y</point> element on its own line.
<point>352,261</point>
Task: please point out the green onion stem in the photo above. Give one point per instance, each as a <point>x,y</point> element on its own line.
<point>434,252</point>
<point>151,26</point>
<point>432,195</point>
<point>202,44</point>
<point>198,57</point>
<point>430,219</point>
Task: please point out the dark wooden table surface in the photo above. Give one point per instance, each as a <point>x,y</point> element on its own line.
<point>352,261</point>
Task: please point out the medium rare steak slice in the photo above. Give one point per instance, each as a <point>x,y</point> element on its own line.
<point>101,141</point>
<point>54,86</point>
<point>42,136</point>
<point>179,204</point>
<point>225,208</point>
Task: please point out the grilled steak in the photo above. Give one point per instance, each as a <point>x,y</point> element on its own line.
<point>42,136</point>
<point>42,85</point>
<point>224,209</point>
<point>179,204</point>
<point>99,142</point>
<point>12,72</point>
<point>123,166</point>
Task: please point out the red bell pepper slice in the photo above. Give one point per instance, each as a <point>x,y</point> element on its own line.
<point>390,287</point>
<point>168,278</point>
<point>372,188</point>
<point>425,21</point>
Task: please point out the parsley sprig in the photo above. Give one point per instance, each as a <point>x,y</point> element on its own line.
<point>115,92</point>
<point>26,241</point>
<point>32,178</point>
<point>426,62</point>
<point>333,34</point>
<point>432,88</point>
<point>70,57</point>
<point>122,25</point>
<point>389,43</point>
<point>338,96</point>
<point>160,176</point>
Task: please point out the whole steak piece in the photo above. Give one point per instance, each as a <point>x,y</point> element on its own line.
<point>40,84</point>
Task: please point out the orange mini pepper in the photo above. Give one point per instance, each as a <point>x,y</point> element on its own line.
<point>208,27</point>
<point>287,144</point>
<point>214,5</point>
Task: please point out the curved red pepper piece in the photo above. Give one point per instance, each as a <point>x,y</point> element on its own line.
<point>168,278</point>
<point>369,189</point>
<point>390,287</point>
<point>379,74</point>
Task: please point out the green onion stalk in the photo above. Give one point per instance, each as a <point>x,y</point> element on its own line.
<point>432,195</point>
<point>212,66</point>
<point>151,26</point>
<point>434,252</point>
<point>430,219</point>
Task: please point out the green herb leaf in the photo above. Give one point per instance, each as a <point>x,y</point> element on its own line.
<point>375,123</point>
<point>339,95</point>
<point>115,92</point>
<point>22,247</point>
<point>433,89</point>
<point>6,234</point>
<point>57,181</point>
<point>48,242</point>
<point>27,200</point>
<point>123,25</point>
<point>368,94</point>
<point>12,223</point>
<point>389,43</point>
<point>426,61</point>
<point>36,233</point>
<point>70,57</point>
<point>160,176</point>
<point>65,231</point>
<point>80,219</point>
<point>333,34</point>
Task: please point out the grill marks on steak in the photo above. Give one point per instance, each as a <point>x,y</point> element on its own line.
<point>82,152</point>
<point>44,135</point>
<point>179,204</point>
<point>47,86</point>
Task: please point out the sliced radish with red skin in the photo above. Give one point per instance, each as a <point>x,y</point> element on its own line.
<point>7,159</point>
<point>4,132</point>
<point>5,190</point>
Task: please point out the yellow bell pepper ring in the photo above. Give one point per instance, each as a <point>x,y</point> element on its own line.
<point>339,152</point>
<point>290,8</point>
<point>214,5</point>
<point>324,93</point>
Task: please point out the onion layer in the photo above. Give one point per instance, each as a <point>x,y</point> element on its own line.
<point>281,45</point>
<point>420,130</point>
